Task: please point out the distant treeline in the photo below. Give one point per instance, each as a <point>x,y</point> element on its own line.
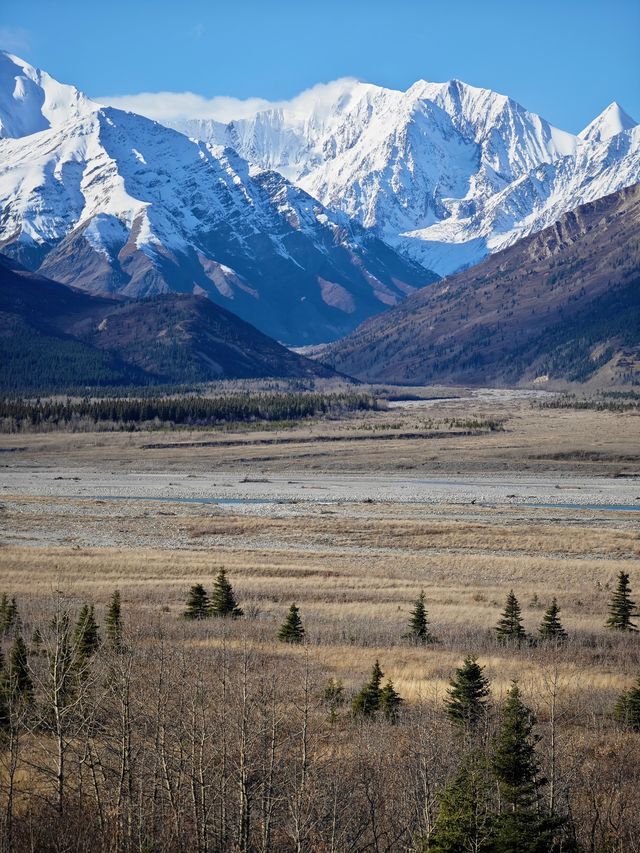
<point>19,415</point>
<point>612,401</point>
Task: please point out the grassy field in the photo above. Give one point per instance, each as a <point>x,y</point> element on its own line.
<point>356,566</point>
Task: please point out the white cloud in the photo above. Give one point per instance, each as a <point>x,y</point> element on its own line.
<point>14,39</point>
<point>174,106</point>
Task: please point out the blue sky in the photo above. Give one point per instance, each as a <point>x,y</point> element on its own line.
<point>564,59</point>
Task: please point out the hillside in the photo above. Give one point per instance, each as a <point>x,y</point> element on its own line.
<point>563,304</point>
<point>52,336</point>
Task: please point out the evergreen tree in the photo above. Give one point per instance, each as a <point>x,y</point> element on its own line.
<point>390,701</point>
<point>622,608</point>
<point>86,638</point>
<point>197,603</point>
<point>4,609</point>
<point>551,626</point>
<point>509,628</point>
<point>367,701</point>
<point>36,642</point>
<point>466,705</point>
<point>521,827</point>
<point>223,602</point>
<point>627,709</point>
<point>13,615</point>
<point>5,716</point>
<point>333,697</point>
<point>418,623</point>
<point>464,821</point>
<point>9,617</point>
<point>114,621</point>
<point>292,630</point>
<point>18,677</point>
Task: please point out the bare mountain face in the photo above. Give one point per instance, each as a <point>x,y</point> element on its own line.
<point>53,336</point>
<point>563,304</point>
<point>444,172</point>
<point>112,202</point>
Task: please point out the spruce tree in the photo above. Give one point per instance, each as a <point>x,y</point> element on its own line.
<point>223,602</point>
<point>197,603</point>
<point>4,609</point>
<point>627,709</point>
<point>465,818</point>
<point>13,615</point>
<point>418,623</point>
<point>521,826</point>
<point>622,608</point>
<point>36,642</point>
<point>509,628</point>
<point>86,638</point>
<point>114,621</point>
<point>9,617</point>
<point>292,630</point>
<point>367,701</point>
<point>333,697</point>
<point>18,677</point>
<point>551,626</point>
<point>466,705</point>
<point>5,716</point>
<point>390,701</point>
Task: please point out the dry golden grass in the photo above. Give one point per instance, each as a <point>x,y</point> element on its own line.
<point>534,440</point>
<point>355,578</point>
<point>354,569</point>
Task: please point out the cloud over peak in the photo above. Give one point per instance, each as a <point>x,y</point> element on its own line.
<point>174,106</point>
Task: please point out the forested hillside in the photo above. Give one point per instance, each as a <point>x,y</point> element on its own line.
<point>53,337</point>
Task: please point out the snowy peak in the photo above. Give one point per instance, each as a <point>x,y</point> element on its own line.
<point>611,121</point>
<point>444,172</point>
<point>32,101</point>
<point>110,201</point>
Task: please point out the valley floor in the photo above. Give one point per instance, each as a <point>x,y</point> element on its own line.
<point>351,518</point>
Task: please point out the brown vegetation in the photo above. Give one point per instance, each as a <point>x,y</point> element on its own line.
<point>211,735</point>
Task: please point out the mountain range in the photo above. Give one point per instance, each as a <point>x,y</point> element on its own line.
<point>303,223</point>
<point>563,304</point>
<point>112,202</point>
<point>446,173</point>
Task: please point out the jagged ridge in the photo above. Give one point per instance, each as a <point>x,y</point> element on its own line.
<point>113,202</point>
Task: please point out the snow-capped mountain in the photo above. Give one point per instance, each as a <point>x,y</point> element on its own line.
<point>113,202</point>
<point>31,100</point>
<point>611,121</point>
<point>304,219</point>
<point>445,172</point>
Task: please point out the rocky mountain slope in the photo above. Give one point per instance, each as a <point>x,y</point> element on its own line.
<point>52,336</point>
<point>112,202</point>
<point>445,172</point>
<point>563,304</point>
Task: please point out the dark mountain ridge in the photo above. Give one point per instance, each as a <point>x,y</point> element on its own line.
<point>53,336</point>
<point>561,305</point>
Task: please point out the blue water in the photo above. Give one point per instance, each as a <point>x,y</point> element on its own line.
<point>594,507</point>
<point>185,500</point>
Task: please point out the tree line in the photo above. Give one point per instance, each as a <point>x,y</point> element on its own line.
<point>195,411</point>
